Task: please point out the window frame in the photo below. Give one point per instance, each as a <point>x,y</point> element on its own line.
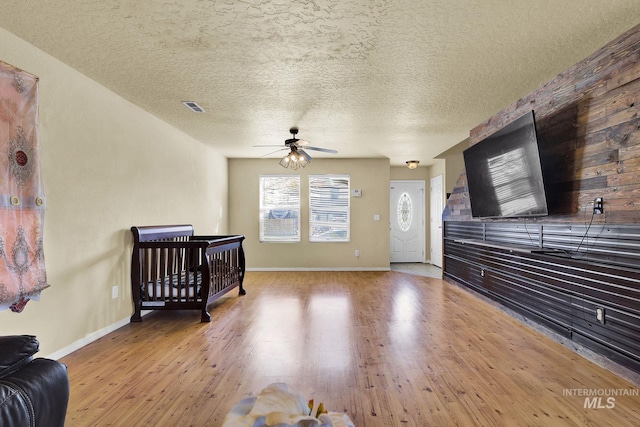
<point>340,210</point>
<point>269,209</point>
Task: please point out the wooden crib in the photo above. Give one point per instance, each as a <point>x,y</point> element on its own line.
<point>173,269</point>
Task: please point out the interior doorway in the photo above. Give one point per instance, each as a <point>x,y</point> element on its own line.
<point>407,221</point>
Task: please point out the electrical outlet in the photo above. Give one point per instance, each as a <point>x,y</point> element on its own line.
<point>600,315</point>
<point>598,206</point>
<point>114,292</point>
<point>482,272</point>
<point>357,252</point>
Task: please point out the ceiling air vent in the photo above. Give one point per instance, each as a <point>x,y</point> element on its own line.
<point>193,106</point>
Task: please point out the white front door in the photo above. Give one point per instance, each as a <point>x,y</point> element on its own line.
<point>436,203</point>
<point>407,221</point>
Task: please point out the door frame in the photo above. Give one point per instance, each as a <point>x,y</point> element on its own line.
<point>422,205</point>
<point>433,240</point>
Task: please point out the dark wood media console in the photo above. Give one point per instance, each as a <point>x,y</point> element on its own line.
<point>562,283</point>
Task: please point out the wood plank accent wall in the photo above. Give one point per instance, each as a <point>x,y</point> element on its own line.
<point>588,122</point>
<point>558,269</point>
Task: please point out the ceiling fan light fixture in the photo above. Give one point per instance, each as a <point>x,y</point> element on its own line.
<point>303,154</point>
<point>302,161</point>
<point>295,159</point>
<point>412,164</point>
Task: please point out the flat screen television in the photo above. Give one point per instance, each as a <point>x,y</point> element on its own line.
<point>504,173</point>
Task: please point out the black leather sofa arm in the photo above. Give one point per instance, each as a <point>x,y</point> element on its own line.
<point>33,392</point>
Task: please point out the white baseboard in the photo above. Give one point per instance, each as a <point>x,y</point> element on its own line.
<point>90,338</point>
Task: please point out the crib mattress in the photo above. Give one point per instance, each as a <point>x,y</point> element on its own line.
<point>175,288</point>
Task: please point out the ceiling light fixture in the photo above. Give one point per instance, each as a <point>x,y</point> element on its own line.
<point>412,164</point>
<point>295,159</point>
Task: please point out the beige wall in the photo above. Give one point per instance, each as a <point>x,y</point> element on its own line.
<point>107,165</point>
<point>438,168</point>
<point>454,161</point>
<point>369,236</point>
<point>455,168</point>
<point>405,174</point>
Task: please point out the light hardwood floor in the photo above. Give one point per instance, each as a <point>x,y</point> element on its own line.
<point>388,348</point>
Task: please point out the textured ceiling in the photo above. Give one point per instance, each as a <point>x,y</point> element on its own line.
<point>394,78</point>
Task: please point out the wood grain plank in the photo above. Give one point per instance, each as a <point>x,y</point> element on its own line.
<point>388,348</point>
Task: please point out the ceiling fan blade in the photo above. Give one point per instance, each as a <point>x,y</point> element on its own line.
<point>273,152</point>
<point>304,154</point>
<point>324,150</point>
<point>268,145</point>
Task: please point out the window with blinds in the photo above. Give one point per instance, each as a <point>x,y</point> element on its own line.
<point>280,208</point>
<point>329,210</point>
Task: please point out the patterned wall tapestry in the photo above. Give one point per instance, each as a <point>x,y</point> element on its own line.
<point>22,202</point>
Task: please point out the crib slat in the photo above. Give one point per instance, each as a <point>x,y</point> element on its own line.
<point>171,257</point>
<point>154,269</point>
<point>191,275</point>
<point>181,264</point>
<point>162,273</point>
